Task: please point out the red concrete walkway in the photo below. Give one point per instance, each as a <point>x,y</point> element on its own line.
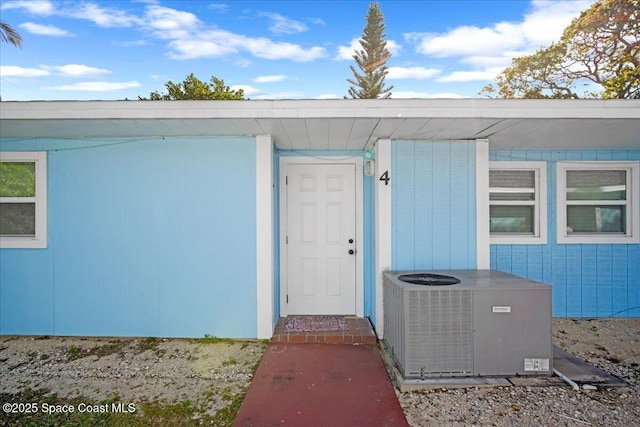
<point>315,385</point>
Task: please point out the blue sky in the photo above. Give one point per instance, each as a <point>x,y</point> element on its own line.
<point>272,49</point>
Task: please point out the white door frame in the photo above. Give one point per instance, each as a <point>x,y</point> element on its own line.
<point>284,163</point>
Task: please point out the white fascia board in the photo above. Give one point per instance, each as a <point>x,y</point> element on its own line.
<point>482,205</point>
<point>383,239</point>
<point>335,108</point>
<point>264,236</point>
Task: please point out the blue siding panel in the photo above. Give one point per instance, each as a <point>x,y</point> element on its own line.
<point>519,260</point>
<point>620,280</point>
<point>589,280</point>
<point>440,215</point>
<point>633,288</point>
<point>433,205</point>
<point>534,262</point>
<point>503,258</point>
<point>574,281</point>
<point>604,280</point>
<point>559,281</point>
<point>423,202</point>
<point>146,238</point>
<point>403,222</point>
<point>493,257</point>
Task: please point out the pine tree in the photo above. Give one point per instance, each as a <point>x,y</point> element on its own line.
<point>371,59</point>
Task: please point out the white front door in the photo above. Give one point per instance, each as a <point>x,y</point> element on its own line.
<point>320,239</point>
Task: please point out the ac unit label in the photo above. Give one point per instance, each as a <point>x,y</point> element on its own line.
<point>536,365</point>
<point>501,309</point>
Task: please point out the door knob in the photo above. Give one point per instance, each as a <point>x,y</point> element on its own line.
<point>351,252</point>
<point>350,240</point>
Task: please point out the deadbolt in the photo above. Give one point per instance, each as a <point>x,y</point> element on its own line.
<point>351,252</point>
<point>350,240</point>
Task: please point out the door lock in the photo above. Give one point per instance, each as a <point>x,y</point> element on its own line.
<point>350,240</point>
<point>351,252</point>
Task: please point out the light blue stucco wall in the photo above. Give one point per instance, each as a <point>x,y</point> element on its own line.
<point>433,205</point>
<point>149,237</point>
<point>589,280</point>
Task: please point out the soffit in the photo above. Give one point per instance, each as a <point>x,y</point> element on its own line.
<point>338,124</point>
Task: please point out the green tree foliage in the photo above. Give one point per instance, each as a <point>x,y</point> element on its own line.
<point>17,179</point>
<point>601,46</point>
<point>193,88</point>
<point>9,35</point>
<point>371,59</point>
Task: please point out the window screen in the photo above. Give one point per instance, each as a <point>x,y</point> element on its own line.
<point>589,186</point>
<point>17,198</point>
<point>512,198</point>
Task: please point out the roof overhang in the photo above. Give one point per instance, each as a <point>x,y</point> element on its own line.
<point>339,124</point>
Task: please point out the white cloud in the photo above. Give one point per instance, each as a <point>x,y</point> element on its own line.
<point>190,49</point>
<point>248,90</point>
<point>283,25</point>
<point>45,30</point>
<point>491,48</point>
<point>545,23</point>
<point>96,86</point>
<point>498,61</point>
<point>35,7</point>
<point>103,17</point>
<point>219,7</point>
<point>347,52</point>
<point>538,28</point>
<point>14,71</point>
<point>187,36</point>
<point>270,79</point>
<point>218,43</point>
<point>328,96</point>
<point>131,43</point>
<point>167,20</point>
<point>468,40</point>
<point>469,76</point>
<point>415,73</point>
<point>77,70</point>
<point>267,49</point>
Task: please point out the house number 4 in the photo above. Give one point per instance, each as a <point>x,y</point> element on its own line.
<point>385,177</point>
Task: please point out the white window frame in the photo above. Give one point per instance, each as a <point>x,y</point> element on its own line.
<point>539,236</point>
<point>632,203</point>
<point>40,238</point>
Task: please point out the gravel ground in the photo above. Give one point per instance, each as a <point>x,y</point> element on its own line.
<point>210,372</point>
<point>205,371</point>
<point>611,345</point>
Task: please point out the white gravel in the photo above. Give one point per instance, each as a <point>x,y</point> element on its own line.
<point>133,370</point>
<point>611,345</point>
<point>175,370</point>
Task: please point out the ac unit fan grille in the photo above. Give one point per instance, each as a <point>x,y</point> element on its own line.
<point>439,335</point>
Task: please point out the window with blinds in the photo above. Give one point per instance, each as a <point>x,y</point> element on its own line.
<point>517,202</point>
<point>596,203</point>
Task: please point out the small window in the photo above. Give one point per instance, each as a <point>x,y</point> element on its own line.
<point>597,202</point>
<point>517,202</point>
<point>23,200</point>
